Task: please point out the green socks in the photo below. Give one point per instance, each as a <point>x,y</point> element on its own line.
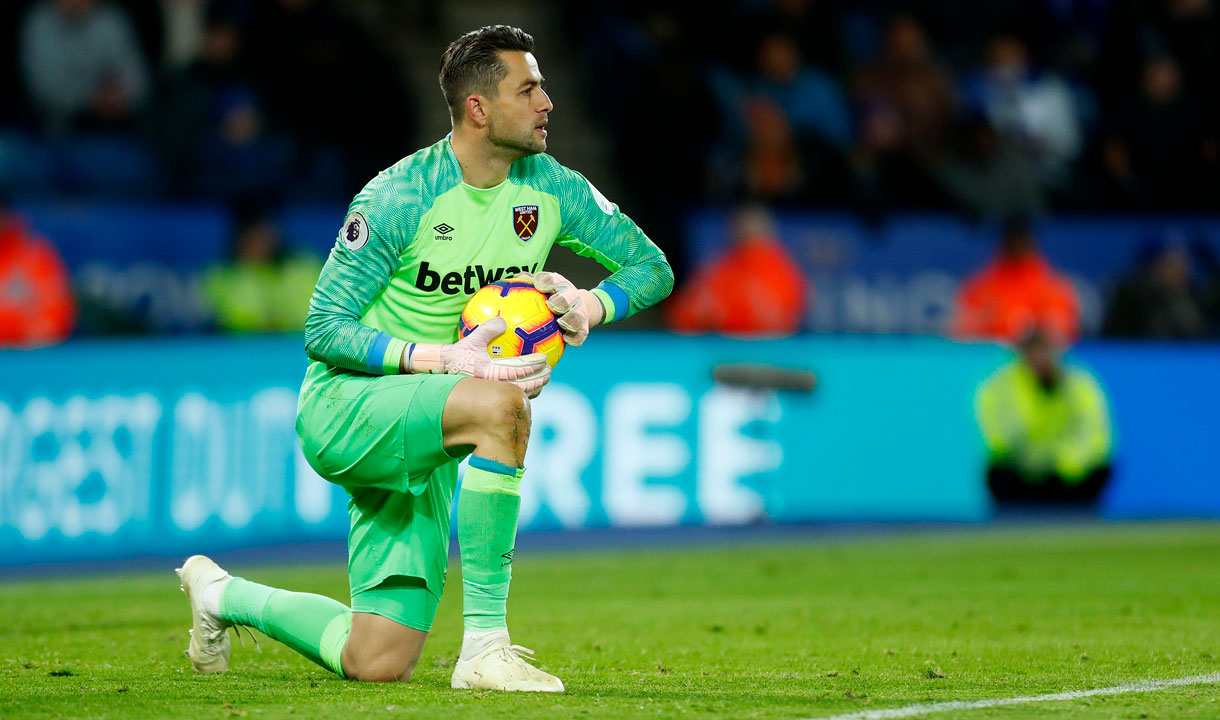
<point>487,531</point>
<point>313,625</point>
<point>317,626</point>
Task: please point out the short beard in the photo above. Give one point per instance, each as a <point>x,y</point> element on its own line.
<point>519,146</point>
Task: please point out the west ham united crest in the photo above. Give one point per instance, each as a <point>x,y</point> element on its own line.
<point>525,221</point>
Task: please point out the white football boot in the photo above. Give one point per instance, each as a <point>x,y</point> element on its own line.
<point>489,662</point>
<point>202,581</point>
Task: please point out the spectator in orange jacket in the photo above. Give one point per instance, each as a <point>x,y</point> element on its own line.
<point>36,304</point>
<point>1019,290</point>
<point>756,287</point>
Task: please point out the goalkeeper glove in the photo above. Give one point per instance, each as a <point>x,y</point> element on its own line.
<point>468,356</point>
<point>577,310</point>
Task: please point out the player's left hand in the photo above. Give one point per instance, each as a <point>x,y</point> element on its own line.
<point>577,310</point>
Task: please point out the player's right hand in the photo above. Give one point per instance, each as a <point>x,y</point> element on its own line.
<point>468,356</point>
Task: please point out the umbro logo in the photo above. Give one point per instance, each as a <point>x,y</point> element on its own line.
<point>508,557</point>
<point>442,231</point>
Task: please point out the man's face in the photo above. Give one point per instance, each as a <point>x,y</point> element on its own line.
<point>73,9</point>
<point>1017,244</point>
<point>1043,358</point>
<point>517,116</point>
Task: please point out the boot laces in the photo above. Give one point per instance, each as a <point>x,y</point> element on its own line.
<point>220,628</point>
<point>237,631</point>
<point>219,632</point>
<point>519,653</point>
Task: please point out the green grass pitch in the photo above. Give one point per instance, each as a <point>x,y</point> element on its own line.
<point>788,629</point>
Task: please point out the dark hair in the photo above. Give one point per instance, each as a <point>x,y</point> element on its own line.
<point>1016,224</point>
<point>472,63</point>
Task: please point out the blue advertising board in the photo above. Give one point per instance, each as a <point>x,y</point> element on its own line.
<point>1165,401</point>
<point>902,276</point>
<point>145,261</point>
<point>117,449</point>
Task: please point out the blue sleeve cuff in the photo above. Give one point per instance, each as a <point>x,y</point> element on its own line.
<point>375,362</point>
<point>618,306</point>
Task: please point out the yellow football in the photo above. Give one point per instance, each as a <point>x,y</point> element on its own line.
<point>531,324</point>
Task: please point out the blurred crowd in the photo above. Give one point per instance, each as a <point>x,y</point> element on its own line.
<point>1003,108</point>
<point>1001,111</point>
<point>216,99</point>
<point>999,108</point>
<point>1171,292</point>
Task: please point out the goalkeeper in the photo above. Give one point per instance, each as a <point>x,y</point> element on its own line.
<point>392,401</point>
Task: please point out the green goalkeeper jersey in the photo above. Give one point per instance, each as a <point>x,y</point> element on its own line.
<point>418,242</point>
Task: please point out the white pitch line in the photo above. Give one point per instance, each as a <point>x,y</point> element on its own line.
<point>913,710</point>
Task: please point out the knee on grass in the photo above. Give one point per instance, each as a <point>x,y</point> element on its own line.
<point>388,667</point>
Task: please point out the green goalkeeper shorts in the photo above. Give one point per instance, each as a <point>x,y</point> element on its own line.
<point>401,598</point>
<point>380,438</point>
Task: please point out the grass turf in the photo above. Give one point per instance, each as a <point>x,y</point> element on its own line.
<point>787,630</point>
